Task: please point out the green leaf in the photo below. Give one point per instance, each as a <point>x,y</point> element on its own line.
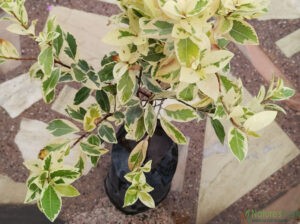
<point>156,28</point>
<point>58,42</point>
<point>243,33</point>
<point>219,129</point>
<point>173,132</point>
<point>80,165</point>
<point>61,127</point>
<point>94,140</point>
<point>107,132</point>
<point>92,150</point>
<point>103,100</point>
<point>82,95</point>
<point>76,114</point>
<point>133,113</point>
<point>50,203</point>
<point>283,94</point>
<point>68,174</point>
<point>199,7</point>
<point>150,119</point>
<point>187,52</point>
<point>186,92</point>
<point>90,118</point>
<point>151,84</point>
<point>106,73</point>
<point>180,113</point>
<point>66,190</point>
<point>46,60</point>
<point>56,146</point>
<point>130,196</point>
<point>79,75</point>
<point>146,199</point>
<point>50,84</point>
<point>72,46</point>
<point>138,155</point>
<point>238,143</point>
<point>47,162</point>
<point>126,87</point>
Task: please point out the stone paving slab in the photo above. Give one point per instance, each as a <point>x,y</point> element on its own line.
<point>290,44</point>
<point>18,94</point>
<point>283,9</point>
<point>66,97</point>
<point>88,29</point>
<point>224,180</point>
<point>33,136</point>
<point>11,192</point>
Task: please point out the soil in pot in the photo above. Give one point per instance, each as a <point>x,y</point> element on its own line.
<point>164,155</point>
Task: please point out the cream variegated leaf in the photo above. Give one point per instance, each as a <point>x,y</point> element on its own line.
<point>174,133</point>
<point>260,120</point>
<point>189,75</point>
<point>210,86</point>
<point>180,112</point>
<point>90,118</point>
<point>119,37</point>
<point>238,143</point>
<point>138,155</point>
<point>187,51</point>
<point>7,49</point>
<point>215,61</point>
<point>126,86</point>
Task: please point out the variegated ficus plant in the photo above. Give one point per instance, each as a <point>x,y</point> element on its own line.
<point>170,64</point>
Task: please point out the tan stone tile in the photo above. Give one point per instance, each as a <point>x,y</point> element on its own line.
<point>33,136</point>
<point>11,192</point>
<point>178,179</point>
<point>290,44</point>
<point>88,29</point>
<point>283,9</point>
<point>66,97</point>
<point>18,94</point>
<point>224,180</point>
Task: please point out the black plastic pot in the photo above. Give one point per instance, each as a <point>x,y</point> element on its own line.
<point>164,155</point>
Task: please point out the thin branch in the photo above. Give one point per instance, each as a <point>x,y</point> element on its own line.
<point>62,64</point>
<point>86,134</point>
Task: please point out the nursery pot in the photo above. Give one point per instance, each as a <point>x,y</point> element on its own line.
<point>164,155</point>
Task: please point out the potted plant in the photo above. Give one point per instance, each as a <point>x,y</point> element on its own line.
<point>171,65</point>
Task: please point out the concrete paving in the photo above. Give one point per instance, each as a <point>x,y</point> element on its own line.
<point>18,94</point>
<point>88,29</point>
<point>224,180</point>
<point>290,44</point>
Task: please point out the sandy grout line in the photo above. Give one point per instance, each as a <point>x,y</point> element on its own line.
<point>266,68</point>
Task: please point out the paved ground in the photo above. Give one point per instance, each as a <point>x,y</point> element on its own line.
<point>273,175</point>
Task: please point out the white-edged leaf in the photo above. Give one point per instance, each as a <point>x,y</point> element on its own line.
<point>187,52</point>
<point>173,132</point>
<point>107,132</point>
<point>243,33</point>
<point>150,119</point>
<point>138,155</point>
<point>146,199</point>
<point>46,60</point>
<point>66,190</point>
<point>61,127</point>
<point>180,112</point>
<point>238,143</point>
<point>50,203</point>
